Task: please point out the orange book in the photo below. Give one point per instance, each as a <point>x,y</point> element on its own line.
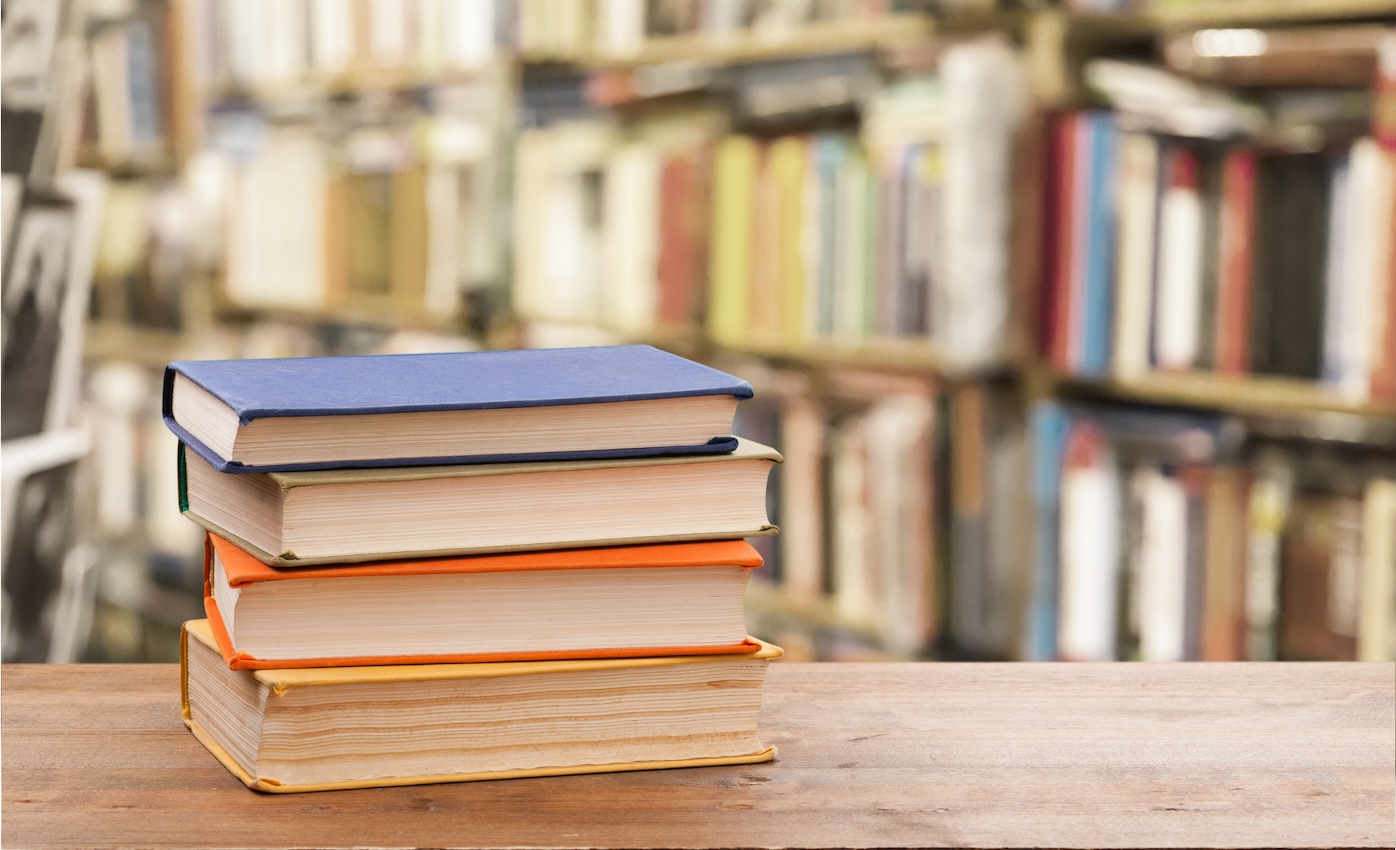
<point>628,601</point>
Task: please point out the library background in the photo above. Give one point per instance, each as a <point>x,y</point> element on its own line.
<point>1074,321</point>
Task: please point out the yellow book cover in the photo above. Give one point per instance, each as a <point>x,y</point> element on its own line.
<point>787,168</point>
<point>734,180</point>
<point>321,729</point>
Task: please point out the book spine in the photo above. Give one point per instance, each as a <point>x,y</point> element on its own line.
<point>1050,425</point>
<point>1179,264</point>
<point>1237,248</point>
<point>734,177</point>
<point>1090,557</point>
<point>1134,275</point>
<point>1098,294</point>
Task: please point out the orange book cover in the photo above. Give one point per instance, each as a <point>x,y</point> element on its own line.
<point>243,570</point>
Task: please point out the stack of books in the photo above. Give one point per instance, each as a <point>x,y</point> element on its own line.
<point>445,567</point>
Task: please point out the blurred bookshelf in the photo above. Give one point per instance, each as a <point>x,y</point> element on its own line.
<point>916,227</point>
<point>1263,394</point>
<point>791,41</point>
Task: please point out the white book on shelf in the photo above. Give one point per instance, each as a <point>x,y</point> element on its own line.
<point>468,32</point>
<point>1356,285</point>
<point>389,32</point>
<point>331,36</point>
<point>620,27</point>
<point>111,90</point>
<point>1272,489</point>
<point>1179,266</point>
<point>276,230</point>
<point>444,248</point>
<point>429,25</point>
<point>1134,267</point>
<point>855,587</point>
<point>1345,568</point>
<point>631,237</point>
<point>986,97</point>
<point>1343,283</point>
<point>1090,553</point>
<point>531,155</point>
<point>802,517</point>
<point>241,23</point>
<point>899,481</point>
<point>284,43</point>
<point>1162,584</point>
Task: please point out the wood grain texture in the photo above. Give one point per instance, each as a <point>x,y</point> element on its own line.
<point>890,755</point>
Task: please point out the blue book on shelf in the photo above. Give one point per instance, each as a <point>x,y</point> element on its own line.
<point>1098,301</point>
<point>1051,423</point>
<point>284,415</point>
<point>829,150</point>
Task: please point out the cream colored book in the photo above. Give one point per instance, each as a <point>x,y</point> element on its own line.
<point>321,729</point>
<point>356,515</point>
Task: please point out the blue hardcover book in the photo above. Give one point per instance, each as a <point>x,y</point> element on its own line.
<point>1051,423</point>
<point>1099,267</point>
<point>286,415</point>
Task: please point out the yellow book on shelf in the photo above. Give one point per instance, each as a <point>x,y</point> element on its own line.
<point>1376,618</point>
<point>786,167</point>
<point>734,179</point>
<point>321,729</point>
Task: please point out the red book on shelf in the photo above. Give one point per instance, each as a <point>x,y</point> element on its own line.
<point>1060,233</point>
<point>1237,246</point>
<point>1384,93</point>
<point>682,248</point>
<point>1383,383</point>
<point>1224,587</point>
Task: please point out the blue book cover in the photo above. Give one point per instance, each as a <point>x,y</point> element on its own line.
<point>828,152</point>
<point>1098,301</point>
<point>456,381</point>
<point>1051,423</point>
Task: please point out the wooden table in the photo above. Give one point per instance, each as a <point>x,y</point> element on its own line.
<point>982,755</point>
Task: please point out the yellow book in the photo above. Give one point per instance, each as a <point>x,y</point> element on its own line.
<point>734,179</point>
<point>1376,618</point>
<point>787,166</point>
<point>322,729</point>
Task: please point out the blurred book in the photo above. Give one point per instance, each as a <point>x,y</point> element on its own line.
<point>1333,55</point>
<point>1175,254</point>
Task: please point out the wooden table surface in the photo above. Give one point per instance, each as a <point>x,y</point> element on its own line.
<point>871,755</point>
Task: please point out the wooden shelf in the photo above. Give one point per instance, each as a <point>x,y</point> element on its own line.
<point>111,340</point>
<point>311,88</point>
<point>1238,13</point>
<point>1249,395</point>
<point>916,355</point>
<point>155,165</point>
<point>368,314</point>
<point>811,40</point>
